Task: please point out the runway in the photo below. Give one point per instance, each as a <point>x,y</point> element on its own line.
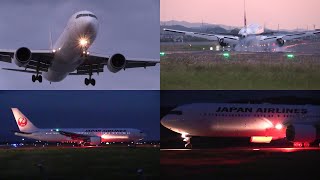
<point>240,163</point>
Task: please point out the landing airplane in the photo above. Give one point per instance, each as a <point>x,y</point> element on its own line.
<point>252,35</point>
<point>261,122</point>
<point>81,136</point>
<point>70,53</point>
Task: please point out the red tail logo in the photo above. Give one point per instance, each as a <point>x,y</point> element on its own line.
<point>22,121</point>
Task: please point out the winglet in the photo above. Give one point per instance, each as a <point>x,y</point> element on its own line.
<point>24,124</point>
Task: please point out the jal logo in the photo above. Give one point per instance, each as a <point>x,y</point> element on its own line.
<point>22,121</point>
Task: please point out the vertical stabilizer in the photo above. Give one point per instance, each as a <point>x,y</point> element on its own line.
<point>245,16</point>
<point>24,124</point>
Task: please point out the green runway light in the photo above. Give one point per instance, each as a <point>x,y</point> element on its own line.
<point>162,53</point>
<point>226,55</point>
<point>290,56</point>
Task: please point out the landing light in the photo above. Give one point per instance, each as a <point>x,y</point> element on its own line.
<point>279,126</point>
<point>184,135</point>
<point>83,42</point>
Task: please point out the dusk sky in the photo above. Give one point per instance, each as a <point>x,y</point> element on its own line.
<point>126,26</point>
<point>82,109</point>
<point>290,14</point>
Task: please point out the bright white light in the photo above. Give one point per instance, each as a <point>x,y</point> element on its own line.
<point>184,135</point>
<point>53,50</point>
<point>83,42</point>
<point>279,126</point>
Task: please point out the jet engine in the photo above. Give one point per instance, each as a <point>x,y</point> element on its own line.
<point>280,42</point>
<point>116,63</point>
<point>95,140</point>
<point>22,56</point>
<point>222,42</point>
<point>301,133</point>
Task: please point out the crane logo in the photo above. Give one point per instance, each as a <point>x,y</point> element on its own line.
<point>22,121</point>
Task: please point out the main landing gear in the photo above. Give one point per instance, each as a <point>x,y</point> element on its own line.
<point>90,80</point>
<point>37,77</point>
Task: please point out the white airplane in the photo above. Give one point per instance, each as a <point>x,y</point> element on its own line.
<point>70,53</point>
<point>251,36</point>
<point>261,122</point>
<point>81,136</point>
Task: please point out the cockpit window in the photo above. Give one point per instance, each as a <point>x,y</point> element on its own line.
<point>175,112</point>
<point>82,15</point>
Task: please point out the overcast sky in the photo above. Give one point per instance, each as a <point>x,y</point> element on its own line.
<point>290,14</point>
<point>126,26</point>
<point>82,109</point>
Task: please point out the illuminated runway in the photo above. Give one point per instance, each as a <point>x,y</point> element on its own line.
<point>240,163</point>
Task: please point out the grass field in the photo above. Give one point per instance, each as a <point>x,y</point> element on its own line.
<point>79,163</point>
<point>207,70</point>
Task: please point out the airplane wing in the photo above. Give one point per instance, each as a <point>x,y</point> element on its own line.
<point>211,37</point>
<point>74,136</point>
<point>288,37</point>
<point>96,63</point>
<point>40,58</point>
<point>93,63</point>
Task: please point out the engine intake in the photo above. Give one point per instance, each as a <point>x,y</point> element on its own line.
<point>301,133</point>
<point>116,63</point>
<point>22,56</point>
<point>280,42</point>
<point>222,42</point>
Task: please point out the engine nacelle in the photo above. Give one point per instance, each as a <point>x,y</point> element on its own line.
<point>280,42</point>
<point>95,140</point>
<point>116,63</point>
<point>301,133</point>
<point>222,42</point>
<point>22,56</point>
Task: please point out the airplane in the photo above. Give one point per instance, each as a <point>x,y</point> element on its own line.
<point>70,54</point>
<point>251,36</point>
<point>81,136</point>
<point>262,123</point>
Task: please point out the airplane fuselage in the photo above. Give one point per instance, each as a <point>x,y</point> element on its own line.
<point>238,120</point>
<point>106,135</point>
<point>67,50</point>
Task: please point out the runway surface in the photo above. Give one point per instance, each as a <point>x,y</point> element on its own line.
<point>240,163</point>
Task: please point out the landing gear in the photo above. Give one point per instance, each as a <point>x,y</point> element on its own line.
<point>37,78</point>
<point>90,80</point>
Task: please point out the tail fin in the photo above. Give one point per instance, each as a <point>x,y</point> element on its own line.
<point>50,40</point>
<point>245,16</point>
<point>24,124</point>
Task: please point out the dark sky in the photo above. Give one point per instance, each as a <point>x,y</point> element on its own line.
<point>173,98</point>
<point>125,26</point>
<point>82,109</point>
